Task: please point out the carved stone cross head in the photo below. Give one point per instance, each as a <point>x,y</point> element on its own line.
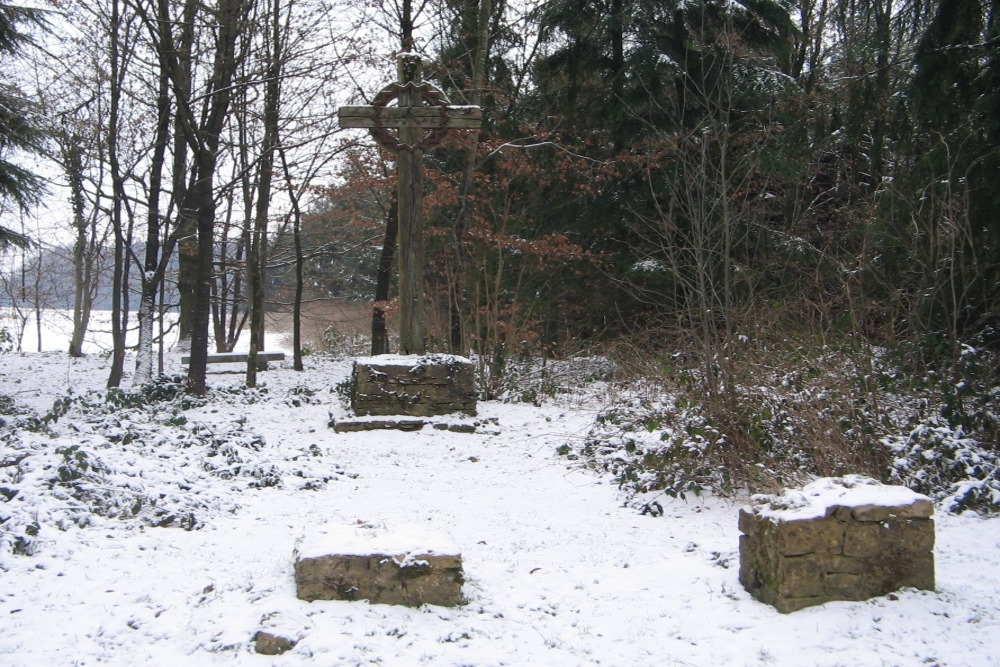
<point>421,115</point>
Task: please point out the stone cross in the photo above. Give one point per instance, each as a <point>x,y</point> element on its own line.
<point>421,118</point>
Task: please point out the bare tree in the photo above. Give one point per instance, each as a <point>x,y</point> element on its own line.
<point>202,132</point>
<point>154,263</point>
<point>121,31</point>
<point>257,254</point>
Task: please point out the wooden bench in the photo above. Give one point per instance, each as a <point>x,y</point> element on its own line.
<point>239,358</point>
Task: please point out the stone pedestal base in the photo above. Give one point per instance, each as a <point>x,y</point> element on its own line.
<point>356,424</point>
<point>413,386</point>
<point>407,566</point>
<point>836,539</point>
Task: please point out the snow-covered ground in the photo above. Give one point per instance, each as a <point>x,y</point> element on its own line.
<point>57,328</point>
<point>559,571</point>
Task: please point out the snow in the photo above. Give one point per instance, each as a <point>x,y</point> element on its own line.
<point>559,571</point>
<point>362,539</point>
<point>57,327</point>
<point>412,360</point>
<point>815,499</point>
<point>649,265</point>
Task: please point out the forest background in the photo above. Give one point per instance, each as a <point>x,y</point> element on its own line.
<point>782,215</point>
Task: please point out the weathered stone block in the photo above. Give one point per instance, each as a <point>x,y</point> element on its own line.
<point>836,539</point>
<point>415,386</point>
<point>845,565</point>
<point>902,568</point>
<point>800,537</point>
<point>800,576</point>
<point>787,605</point>
<point>370,424</point>
<point>842,586</point>
<point>267,643</point>
<point>917,536</point>
<point>863,541</point>
<point>921,508</point>
<point>357,424</point>
<point>408,566</point>
<point>747,520</point>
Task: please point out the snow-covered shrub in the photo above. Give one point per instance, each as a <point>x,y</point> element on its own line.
<point>637,443</point>
<point>958,471</point>
<point>971,394</point>
<point>300,395</point>
<point>7,342</point>
<point>779,416</point>
<point>8,406</point>
<point>767,424</point>
<point>340,344</point>
<point>154,458</point>
<point>535,379</point>
<point>158,390</point>
<point>951,450</point>
<point>759,441</point>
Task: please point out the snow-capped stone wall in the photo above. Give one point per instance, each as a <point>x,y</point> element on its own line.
<point>848,538</point>
<point>413,386</point>
<point>409,565</point>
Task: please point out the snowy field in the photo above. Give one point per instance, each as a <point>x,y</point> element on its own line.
<point>559,571</point>
<point>57,327</point>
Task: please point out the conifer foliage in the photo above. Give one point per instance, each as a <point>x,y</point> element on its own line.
<point>19,131</point>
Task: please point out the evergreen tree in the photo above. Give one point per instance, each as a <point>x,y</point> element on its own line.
<point>665,94</point>
<point>956,110</point>
<point>948,59</point>
<point>627,67</point>
<point>18,132</point>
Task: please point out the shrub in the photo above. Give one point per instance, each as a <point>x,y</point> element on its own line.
<point>136,457</point>
<point>781,413</point>
<point>7,342</point>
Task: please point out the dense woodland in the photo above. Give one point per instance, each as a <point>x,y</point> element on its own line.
<point>719,195</point>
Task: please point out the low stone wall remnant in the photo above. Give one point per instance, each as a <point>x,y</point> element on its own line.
<point>413,386</point>
<point>848,538</point>
<point>405,566</point>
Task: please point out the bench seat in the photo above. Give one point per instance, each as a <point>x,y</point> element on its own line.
<point>237,357</point>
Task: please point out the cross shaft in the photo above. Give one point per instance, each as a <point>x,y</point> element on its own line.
<point>412,118</point>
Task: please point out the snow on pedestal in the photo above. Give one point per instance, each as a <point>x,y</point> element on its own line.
<point>414,386</point>
<point>848,538</point>
<point>409,565</point>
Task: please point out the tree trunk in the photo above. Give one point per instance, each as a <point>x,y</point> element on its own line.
<point>299,288</point>
<point>179,57</point>
<point>119,298</point>
<point>204,200</point>
<point>458,302</point>
<point>151,281</point>
<point>204,141</point>
<point>293,196</point>
<point>257,253</point>
<point>73,166</point>
<point>383,280</point>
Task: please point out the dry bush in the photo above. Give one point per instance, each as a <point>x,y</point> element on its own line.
<point>336,326</point>
<point>774,411</point>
